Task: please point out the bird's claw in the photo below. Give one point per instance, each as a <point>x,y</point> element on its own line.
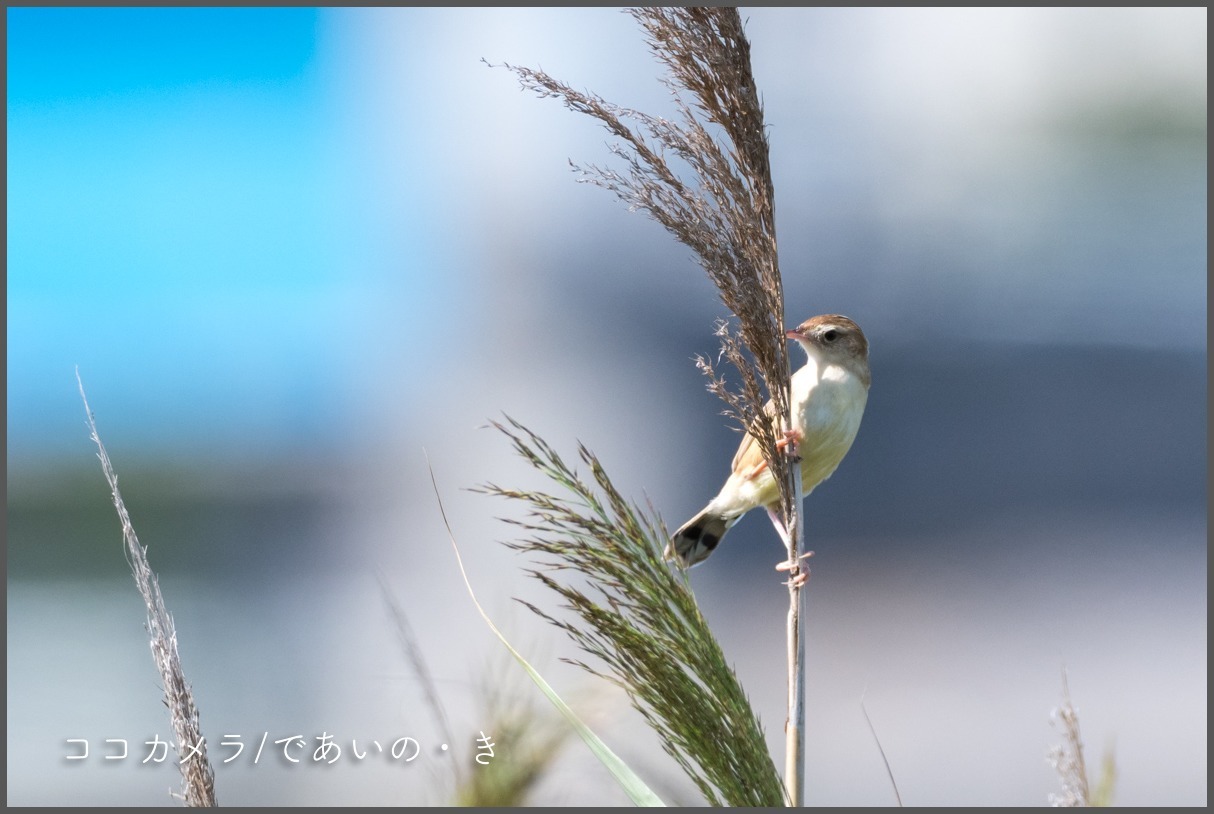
<point>790,437</point>
<point>796,577</point>
<point>785,565</point>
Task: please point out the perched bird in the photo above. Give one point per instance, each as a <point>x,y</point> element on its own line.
<point>828,397</point>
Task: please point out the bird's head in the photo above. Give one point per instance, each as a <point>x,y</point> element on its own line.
<point>833,338</point>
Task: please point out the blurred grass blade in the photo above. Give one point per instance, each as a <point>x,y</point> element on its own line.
<point>633,786</point>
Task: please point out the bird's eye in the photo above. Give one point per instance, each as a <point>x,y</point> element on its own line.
<point>830,336</point>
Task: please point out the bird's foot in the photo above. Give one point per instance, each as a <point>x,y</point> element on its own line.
<point>785,565</point>
<point>754,471</point>
<point>797,576</point>
<point>790,437</point>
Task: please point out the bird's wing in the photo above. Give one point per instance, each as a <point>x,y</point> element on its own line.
<point>748,461</point>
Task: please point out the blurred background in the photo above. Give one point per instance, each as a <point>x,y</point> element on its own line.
<point>294,253</point>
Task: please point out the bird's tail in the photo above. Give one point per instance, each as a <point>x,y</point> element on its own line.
<point>698,537</point>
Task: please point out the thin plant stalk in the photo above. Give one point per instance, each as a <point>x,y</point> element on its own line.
<point>413,654</point>
<point>794,733</point>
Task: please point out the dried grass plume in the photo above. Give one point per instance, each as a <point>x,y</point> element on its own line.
<point>197,776</point>
<point>725,210</point>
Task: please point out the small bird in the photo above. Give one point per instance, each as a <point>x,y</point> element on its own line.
<point>828,397</point>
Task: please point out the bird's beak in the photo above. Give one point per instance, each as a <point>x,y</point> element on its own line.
<point>794,334</point>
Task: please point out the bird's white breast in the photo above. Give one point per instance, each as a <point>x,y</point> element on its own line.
<point>828,401</point>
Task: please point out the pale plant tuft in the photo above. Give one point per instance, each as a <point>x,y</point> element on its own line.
<point>197,776</point>
<point>1067,760</point>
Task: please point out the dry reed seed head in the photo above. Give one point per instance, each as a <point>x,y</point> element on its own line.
<point>726,214</point>
<point>1067,758</point>
<point>198,777</point>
